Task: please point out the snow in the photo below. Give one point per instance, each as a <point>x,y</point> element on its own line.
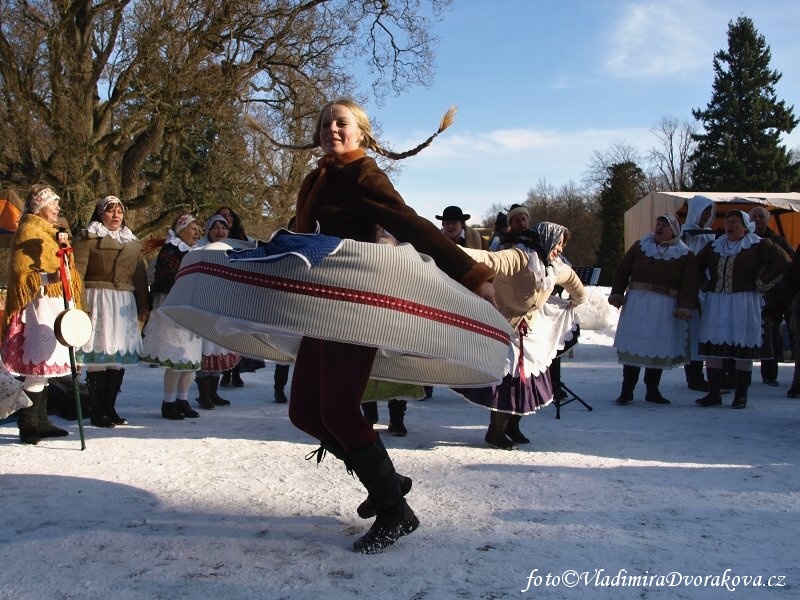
<point>225,506</point>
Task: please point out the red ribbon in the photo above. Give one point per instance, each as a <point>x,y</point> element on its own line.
<point>522,328</point>
<point>62,254</point>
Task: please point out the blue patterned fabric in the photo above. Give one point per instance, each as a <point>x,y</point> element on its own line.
<point>311,248</point>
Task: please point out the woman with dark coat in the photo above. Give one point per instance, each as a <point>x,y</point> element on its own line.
<point>109,258</point>
<point>741,267</point>
<point>659,273</point>
<point>348,196</point>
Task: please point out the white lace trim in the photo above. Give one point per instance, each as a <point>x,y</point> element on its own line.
<point>724,247</point>
<point>651,249</point>
<point>122,235</point>
<point>172,238</point>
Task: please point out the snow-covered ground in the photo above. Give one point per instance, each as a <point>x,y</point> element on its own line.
<point>641,501</point>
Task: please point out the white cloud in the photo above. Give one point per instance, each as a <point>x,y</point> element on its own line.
<point>658,39</point>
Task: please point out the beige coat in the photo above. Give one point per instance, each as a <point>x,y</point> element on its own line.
<point>515,286</point>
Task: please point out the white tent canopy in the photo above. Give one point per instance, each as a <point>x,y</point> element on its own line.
<point>784,207</point>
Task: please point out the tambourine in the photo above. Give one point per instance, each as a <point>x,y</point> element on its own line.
<point>73,327</point>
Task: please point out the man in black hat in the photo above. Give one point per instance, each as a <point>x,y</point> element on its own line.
<point>454,227</point>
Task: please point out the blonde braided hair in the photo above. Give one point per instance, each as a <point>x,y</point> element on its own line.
<point>364,126</point>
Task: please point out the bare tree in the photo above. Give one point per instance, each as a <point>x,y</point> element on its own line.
<point>670,157</point>
<point>144,98</point>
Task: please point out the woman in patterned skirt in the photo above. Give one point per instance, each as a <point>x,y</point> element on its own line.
<point>165,342</point>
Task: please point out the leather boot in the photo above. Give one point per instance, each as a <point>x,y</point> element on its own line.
<point>98,390</point>
<point>694,376</point>
<point>215,397</point>
<point>281,379</point>
<point>370,410</point>
<point>365,510</point>
<point>204,387</point>
<point>45,427</point>
<point>397,413</point>
<point>115,377</point>
<point>28,420</point>
<point>394,517</point>
<point>714,395</point>
<point>743,380</point>
<point>226,378</point>
<point>652,379</point>
<point>170,410</point>
<point>186,410</point>
<point>496,434</point>
<point>630,377</point>
<point>513,432</point>
<point>236,378</point>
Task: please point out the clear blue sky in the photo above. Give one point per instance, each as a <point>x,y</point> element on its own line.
<point>541,84</point>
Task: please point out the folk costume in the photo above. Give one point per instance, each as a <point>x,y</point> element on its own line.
<point>166,342</point>
<point>215,359</point>
<point>739,274</point>
<point>524,283</point>
<point>696,232</point>
<point>662,284</point>
<point>115,276</point>
<point>354,308</point>
<point>35,298</point>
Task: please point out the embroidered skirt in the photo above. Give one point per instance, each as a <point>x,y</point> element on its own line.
<point>647,333</point>
<point>116,339</point>
<point>30,346</point>
<point>169,344</point>
<point>731,326</point>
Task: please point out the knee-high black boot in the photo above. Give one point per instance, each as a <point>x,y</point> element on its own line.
<point>98,390</point>
<point>365,510</point>
<point>694,376</point>
<point>652,379</point>
<point>513,432</point>
<point>205,400</point>
<point>394,518</point>
<point>45,427</point>
<point>743,380</point>
<point>28,420</point>
<point>281,379</point>
<point>714,395</point>
<point>555,379</point>
<point>213,388</point>
<point>496,434</point>
<point>115,377</point>
<point>397,413</point>
<point>630,377</point>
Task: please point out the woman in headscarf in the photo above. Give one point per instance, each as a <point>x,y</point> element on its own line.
<point>526,276</point>
<point>659,273</point>
<point>741,267</point>
<point>216,359</point>
<point>165,342</point>
<point>109,258</point>
<point>34,300</point>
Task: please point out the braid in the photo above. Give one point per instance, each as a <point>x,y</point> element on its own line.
<point>447,120</point>
<point>371,143</point>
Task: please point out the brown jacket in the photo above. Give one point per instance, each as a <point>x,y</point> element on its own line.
<point>515,285</point>
<point>678,277</point>
<point>356,196</point>
<point>106,263</point>
<point>758,268</point>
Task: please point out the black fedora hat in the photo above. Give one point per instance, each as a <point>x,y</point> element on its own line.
<point>453,213</point>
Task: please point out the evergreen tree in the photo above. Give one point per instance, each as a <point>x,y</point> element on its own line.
<point>740,149</point>
<point>625,185</point>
